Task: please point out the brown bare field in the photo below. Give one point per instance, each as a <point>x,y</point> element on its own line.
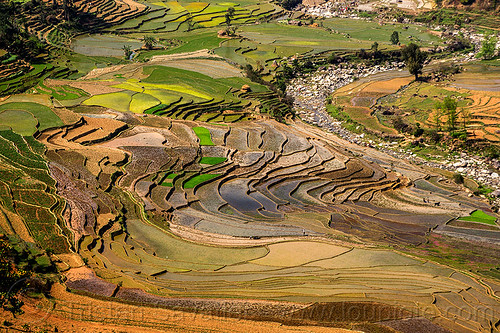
<point>94,87</point>
<point>359,96</point>
<point>68,117</point>
<point>145,139</point>
<point>78,313</point>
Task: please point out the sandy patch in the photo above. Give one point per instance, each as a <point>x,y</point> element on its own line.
<point>133,4</point>
<point>389,86</point>
<point>196,54</point>
<point>142,139</point>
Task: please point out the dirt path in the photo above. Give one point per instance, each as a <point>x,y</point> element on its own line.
<point>201,237</point>
<point>187,55</point>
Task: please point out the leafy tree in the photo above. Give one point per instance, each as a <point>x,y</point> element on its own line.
<point>289,4</point>
<point>362,54</point>
<point>12,278</point>
<point>437,116</point>
<point>229,16</point>
<point>465,117</point>
<point>450,107</point>
<point>149,42</point>
<point>414,59</point>
<point>395,38</point>
<point>127,50</point>
<point>488,47</point>
<point>13,37</point>
<point>231,31</point>
<point>458,43</point>
<point>374,51</point>
<point>332,58</point>
<point>191,24</point>
<point>67,4</point>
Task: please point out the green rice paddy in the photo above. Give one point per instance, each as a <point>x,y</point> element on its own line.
<point>198,179</point>
<point>21,122</point>
<point>26,111</point>
<point>212,160</point>
<point>119,101</point>
<point>168,87</point>
<point>480,217</point>
<point>204,136</point>
<point>141,102</point>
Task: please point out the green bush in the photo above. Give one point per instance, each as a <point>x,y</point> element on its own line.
<point>458,178</point>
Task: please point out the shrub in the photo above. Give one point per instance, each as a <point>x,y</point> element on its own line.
<point>289,4</point>
<point>418,131</point>
<point>491,151</point>
<point>395,38</point>
<point>401,126</point>
<point>434,136</point>
<point>458,178</point>
<point>488,47</point>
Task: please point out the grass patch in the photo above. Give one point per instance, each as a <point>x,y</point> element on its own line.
<point>198,179</point>
<point>142,102</point>
<point>167,180</point>
<point>46,118</point>
<point>212,160</point>
<point>119,101</point>
<point>21,122</point>
<point>204,136</point>
<point>480,217</point>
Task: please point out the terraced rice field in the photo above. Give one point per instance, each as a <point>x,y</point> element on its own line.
<point>102,45</point>
<point>26,117</point>
<point>272,183</point>
<point>359,97</point>
<point>100,14</point>
<point>151,175</point>
<point>178,93</point>
<point>478,99</point>
<point>172,16</point>
<point>282,208</point>
<point>371,30</point>
<point>30,207</point>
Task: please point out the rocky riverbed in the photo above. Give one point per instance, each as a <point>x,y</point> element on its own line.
<point>310,91</point>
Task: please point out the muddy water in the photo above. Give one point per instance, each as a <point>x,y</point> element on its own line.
<point>234,193</point>
<point>103,45</point>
